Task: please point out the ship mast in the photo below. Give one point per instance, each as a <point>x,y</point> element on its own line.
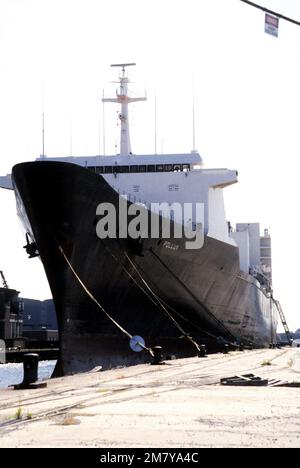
<point>123,99</point>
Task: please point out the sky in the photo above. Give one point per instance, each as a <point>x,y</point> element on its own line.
<point>55,58</point>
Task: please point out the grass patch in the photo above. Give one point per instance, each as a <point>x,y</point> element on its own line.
<point>19,413</point>
<point>266,363</point>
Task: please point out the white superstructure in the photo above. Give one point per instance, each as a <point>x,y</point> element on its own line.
<point>255,251</point>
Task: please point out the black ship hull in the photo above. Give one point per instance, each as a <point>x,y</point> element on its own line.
<point>204,289</point>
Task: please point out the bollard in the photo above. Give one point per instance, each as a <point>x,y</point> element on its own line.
<point>226,349</point>
<point>30,365</point>
<point>202,352</point>
<point>158,357</point>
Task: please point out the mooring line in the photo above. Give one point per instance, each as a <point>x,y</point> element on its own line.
<point>218,322</point>
<point>92,297</point>
<point>162,304</point>
<point>177,325</point>
<point>155,299</point>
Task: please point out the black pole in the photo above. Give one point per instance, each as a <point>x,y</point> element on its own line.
<point>260,7</point>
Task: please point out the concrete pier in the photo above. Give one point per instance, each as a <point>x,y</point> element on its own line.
<point>179,404</point>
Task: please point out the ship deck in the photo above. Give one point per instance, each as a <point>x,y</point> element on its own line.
<point>179,404</point>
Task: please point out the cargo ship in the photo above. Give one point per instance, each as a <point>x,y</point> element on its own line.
<point>118,294</point>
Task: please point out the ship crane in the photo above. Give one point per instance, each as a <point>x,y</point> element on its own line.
<point>4,282</point>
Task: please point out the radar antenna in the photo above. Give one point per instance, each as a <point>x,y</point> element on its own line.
<point>123,65</point>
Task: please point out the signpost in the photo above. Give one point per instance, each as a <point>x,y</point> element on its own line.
<point>271,18</point>
<point>271,25</point>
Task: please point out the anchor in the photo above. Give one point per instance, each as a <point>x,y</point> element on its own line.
<point>31,248</point>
